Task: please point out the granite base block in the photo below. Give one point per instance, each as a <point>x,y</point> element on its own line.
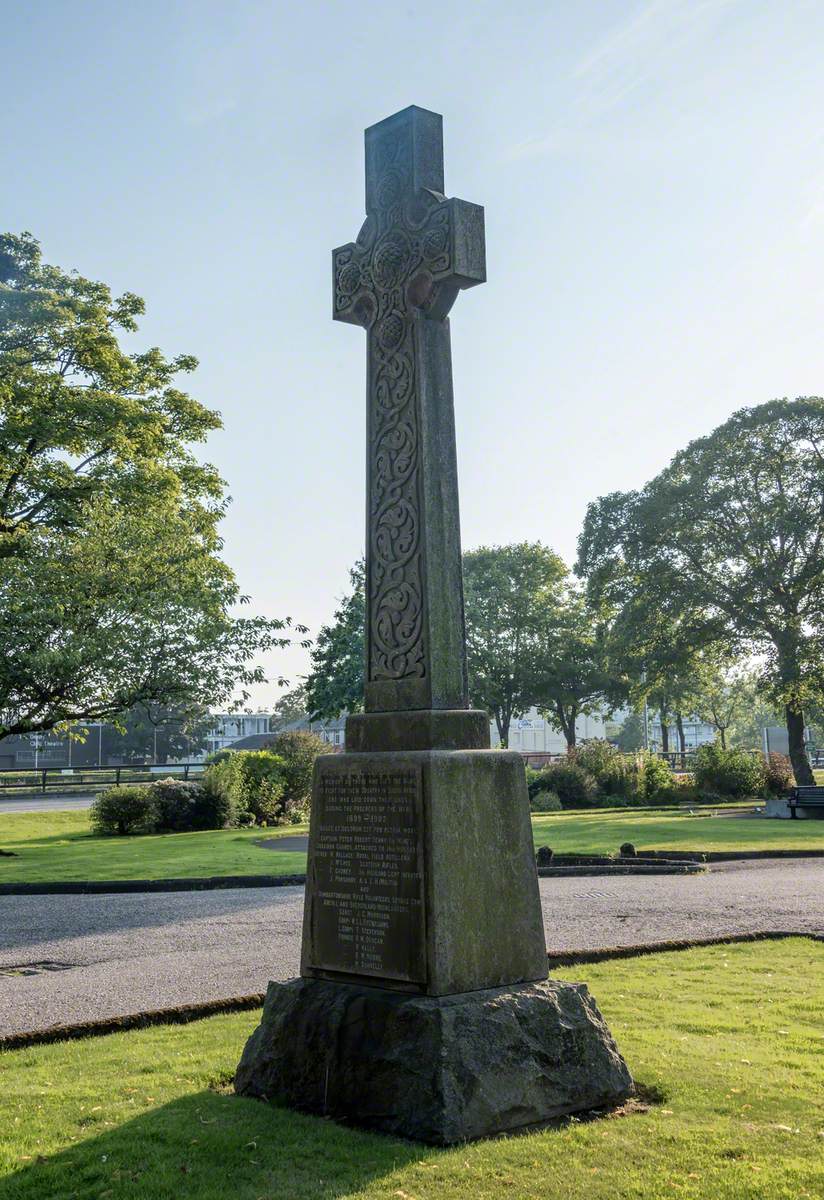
<point>433,1069</point>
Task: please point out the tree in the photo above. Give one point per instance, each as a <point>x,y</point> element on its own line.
<point>571,667</point>
<point>112,591</point>
<point>291,706</point>
<point>731,536</point>
<point>159,732</point>
<point>652,652</point>
<point>335,683</point>
<point>671,692</point>
<point>631,735</point>
<point>511,594</point>
<point>720,699</point>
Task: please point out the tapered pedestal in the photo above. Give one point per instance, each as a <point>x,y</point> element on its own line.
<point>421,872</point>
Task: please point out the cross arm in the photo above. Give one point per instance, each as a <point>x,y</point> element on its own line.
<point>466,263</point>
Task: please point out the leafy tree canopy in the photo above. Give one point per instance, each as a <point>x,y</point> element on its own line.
<point>335,682</point>
<point>112,591</point>
<point>512,594</point>
<point>573,677</point>
<point>721,696</point>
<point>728,541</point>
<point>631,734</point>
<point>290,706</point>
<point>159,732</point>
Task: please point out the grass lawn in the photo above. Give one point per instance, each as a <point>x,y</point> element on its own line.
<point>605,830</point>
<point>57,846</point>
<point>729,1040</point>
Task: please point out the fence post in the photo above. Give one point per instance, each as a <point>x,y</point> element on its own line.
<point>117,777</point>
<point>45,772</point>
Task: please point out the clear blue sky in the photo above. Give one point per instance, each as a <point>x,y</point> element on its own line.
<point>653,177</point>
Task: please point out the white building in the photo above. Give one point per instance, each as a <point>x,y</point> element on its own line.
<point>231,727</point>
<point>532,733</point>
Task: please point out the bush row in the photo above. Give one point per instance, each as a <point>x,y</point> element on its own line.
<point>240,787</point>
<point>597,774</point>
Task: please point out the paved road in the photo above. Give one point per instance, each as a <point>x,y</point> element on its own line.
<point>40,803</point>
<point>122,954</point>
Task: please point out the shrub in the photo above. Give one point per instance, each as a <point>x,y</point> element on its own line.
<point>251,783</point>
<point>733,773</point>
<point>632,779</point>
<point>657,781</point>
<point>616,802</point>
<point>618,775</point>
<point>627,850</point>
<point>574,786</point>
<point>123,810</point>
<point>219,756</point>
<point>601,759</point>
<point>544,856</point>
<point>545,801</point>
<point>215,808</point>
<point>778,774</point>
<point>684,790</point>
<point>532,777</point>
<point>298,750</point>
<point>176,803</point>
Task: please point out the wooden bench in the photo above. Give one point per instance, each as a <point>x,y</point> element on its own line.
<point>805,797</point>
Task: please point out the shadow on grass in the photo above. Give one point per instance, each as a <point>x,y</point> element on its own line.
<point>211,1146</point>
<point>52,839</point>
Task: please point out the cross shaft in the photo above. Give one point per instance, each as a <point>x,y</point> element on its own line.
<point>415,251</point>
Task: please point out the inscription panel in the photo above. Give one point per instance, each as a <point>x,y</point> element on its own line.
<point>366,883</point>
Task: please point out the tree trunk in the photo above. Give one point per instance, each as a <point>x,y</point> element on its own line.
<point>682,739</point>
<point>798,755</point>
<point>723,735</point>
<point>503,722</point>
<point>567,721</point>
<point>664,730</point>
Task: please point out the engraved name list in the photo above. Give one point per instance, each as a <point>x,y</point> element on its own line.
<point>367,913</point>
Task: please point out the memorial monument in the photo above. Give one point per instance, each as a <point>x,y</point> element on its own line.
<point>423,1007</point>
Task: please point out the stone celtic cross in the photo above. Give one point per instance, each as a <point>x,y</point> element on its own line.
<point>399,279</point>
<point>423,1008</point>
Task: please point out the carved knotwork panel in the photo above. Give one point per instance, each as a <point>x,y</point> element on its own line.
<point>385,281</point>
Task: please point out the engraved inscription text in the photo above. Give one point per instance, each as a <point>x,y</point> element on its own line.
<point>367,874</point>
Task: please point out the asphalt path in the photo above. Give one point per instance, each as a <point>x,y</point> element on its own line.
<point>70,959</point>
<point>9,803</point>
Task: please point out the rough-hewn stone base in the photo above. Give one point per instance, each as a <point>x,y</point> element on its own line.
<point>435,1069</point>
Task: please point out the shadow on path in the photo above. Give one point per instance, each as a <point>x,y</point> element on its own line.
<point>27,921</point>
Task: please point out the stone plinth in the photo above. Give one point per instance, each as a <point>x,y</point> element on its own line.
<point>422,872</point>
<point>424,1008</point>
<point>436,1069</point>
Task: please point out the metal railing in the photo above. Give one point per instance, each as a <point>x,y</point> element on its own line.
<point>66,779</point>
